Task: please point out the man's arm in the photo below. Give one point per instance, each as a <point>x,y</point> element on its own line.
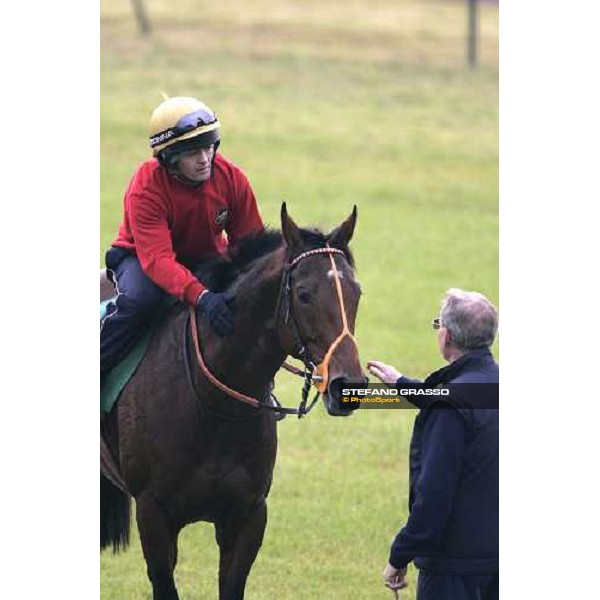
<point>443,443</point>
<point>404,382</point>
<point>154,248</point>
<point>245,216</point>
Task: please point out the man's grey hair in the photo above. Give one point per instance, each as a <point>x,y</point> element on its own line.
<point>471,319</point>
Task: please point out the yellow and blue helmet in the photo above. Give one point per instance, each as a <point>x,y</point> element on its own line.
<point>180,124</point>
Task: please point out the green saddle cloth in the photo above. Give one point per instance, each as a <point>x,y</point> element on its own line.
<point>113,382</point>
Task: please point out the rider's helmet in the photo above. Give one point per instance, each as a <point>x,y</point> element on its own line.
<point>179,125</point>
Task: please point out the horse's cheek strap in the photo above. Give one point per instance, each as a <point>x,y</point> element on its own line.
<point>322,369</point>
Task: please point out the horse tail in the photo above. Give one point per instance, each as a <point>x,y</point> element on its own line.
<point>115,516</point>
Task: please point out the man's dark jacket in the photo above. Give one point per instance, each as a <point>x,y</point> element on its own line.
<point>453,502</point>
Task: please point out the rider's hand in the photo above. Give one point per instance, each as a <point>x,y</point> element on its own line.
<point>218,310</point>
<point>385,373</point>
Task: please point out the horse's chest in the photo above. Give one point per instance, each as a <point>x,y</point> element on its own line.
<point>230,475</point>
<point>220,487</point>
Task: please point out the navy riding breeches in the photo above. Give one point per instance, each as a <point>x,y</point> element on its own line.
<point>137,299</point>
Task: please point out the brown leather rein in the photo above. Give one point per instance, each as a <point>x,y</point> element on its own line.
<point>317,375</point>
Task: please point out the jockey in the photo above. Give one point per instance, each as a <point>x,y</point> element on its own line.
<point>176,211</point>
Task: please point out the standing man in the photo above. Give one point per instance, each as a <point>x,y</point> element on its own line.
<point>452,529</point>
<point>182,205</point>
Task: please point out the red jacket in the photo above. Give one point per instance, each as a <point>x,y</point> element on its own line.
<point>171,226</point>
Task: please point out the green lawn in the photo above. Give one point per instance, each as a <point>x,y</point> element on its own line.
<point>326,105</point>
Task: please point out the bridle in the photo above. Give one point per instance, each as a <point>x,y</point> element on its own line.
<point>314,373</point>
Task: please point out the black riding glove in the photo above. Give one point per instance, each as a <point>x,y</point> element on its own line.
<point>219,311</point>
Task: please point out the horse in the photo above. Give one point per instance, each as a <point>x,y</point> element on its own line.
<point>180,441</point>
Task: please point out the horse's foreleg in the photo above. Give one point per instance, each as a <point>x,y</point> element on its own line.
<point>159,543</point>
<point>239,543</point>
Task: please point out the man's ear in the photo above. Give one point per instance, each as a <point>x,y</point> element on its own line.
<point>340,237</point>
<point>289,229</point>
<point>447,337</point>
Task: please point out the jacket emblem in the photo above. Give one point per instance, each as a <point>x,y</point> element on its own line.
<point>221,216</point>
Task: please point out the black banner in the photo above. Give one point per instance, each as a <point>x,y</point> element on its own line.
<point>351,396</point>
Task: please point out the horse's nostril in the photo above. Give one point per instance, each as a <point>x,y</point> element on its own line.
<point>336,385</point>
<point>336,392</point>
<point>339,383</point>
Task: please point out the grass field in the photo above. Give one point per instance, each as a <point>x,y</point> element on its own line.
<point>326,105</point>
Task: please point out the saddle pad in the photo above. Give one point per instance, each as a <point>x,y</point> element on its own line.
<point>114,382</point>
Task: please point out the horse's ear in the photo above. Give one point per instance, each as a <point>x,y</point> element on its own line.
<point>289,229</point>
<point>341,236</point>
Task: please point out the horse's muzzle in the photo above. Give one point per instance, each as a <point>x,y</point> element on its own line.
<point>334,398</point>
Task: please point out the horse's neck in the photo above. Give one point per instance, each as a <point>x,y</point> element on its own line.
<point>249,359</point>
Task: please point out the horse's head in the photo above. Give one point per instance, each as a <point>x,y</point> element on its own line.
<point>320,299</point>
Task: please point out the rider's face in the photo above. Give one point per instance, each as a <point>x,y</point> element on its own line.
<point>196,164</point>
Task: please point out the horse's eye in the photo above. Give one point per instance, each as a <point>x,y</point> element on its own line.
<point>303,296</point>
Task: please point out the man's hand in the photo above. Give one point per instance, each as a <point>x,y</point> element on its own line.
<point>386,373</point>
<point>394,579</point>
<point>218,309</point>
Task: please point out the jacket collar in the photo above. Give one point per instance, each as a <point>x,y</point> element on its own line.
<point>451,371</point>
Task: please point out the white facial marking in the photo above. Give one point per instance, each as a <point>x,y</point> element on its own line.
<point>331,274</point>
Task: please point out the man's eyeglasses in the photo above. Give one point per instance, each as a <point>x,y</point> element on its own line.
<point>436,323</point>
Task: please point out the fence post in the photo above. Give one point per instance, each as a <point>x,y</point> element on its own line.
<point>472,36</point>
<point>141,16</point>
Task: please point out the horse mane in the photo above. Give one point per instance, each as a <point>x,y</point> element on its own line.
<point>217,273</point>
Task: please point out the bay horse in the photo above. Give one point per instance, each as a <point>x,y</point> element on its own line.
<point>188,450</point>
